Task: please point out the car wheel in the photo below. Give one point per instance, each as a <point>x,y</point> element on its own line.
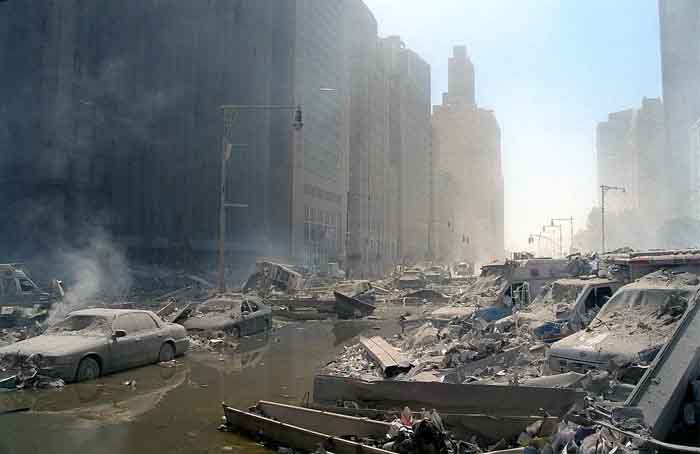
<point>167,353</point>
<point>88,369</point>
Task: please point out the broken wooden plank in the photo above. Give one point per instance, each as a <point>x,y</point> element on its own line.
<point>294,436</point>
<point>446,397</point>
<point>390,361</point>
<point>327,422</point>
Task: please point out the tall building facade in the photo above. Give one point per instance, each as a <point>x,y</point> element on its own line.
<point>410,147</point>
<point>654,182</point>
<point>361,33</point>
<point>467,178</point>
<point>616,150</point>
<point>632,153</point>
<point>679,22</point>
<point>110,117</point>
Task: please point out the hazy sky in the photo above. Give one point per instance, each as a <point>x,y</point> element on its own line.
<point>551,70</point>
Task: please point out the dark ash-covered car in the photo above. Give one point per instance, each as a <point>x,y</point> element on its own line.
<point>237,315</point>
<point>93,342</point>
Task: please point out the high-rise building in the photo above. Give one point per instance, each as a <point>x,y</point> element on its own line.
<point>110,116</point>
<point>461,83</point>
<point>616,151</point>
<point>679,22</point>
<point>365,115</point>
<point>631,153</point>
<point>467,175</point>
<point>410,147</point>
<point>653,180</point>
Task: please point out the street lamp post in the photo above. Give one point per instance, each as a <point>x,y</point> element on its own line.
<point>230,114</point>
<point>603,190</point>
<point>571,225</point>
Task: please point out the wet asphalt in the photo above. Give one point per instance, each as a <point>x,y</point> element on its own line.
<point>178,409</point>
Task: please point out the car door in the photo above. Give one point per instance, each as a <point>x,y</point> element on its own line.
<point>127,351</point>
<point>151,337</point>
<point>259,322</point>
<point>11,291</point>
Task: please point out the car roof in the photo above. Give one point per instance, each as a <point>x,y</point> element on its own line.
<point>105,312</point>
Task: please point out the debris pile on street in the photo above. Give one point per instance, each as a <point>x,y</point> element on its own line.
<point>22,372</point>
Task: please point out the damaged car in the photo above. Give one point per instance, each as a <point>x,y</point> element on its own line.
<point>630,328</point>
<point>412,278</point>
<point>93,342</point>
<point>21,300</point>
<point>564,307</point>
<point>235,315</point>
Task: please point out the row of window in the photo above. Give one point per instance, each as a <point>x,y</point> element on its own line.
<point>322,226</point>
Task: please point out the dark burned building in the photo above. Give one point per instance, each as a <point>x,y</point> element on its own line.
<point>110,117</point>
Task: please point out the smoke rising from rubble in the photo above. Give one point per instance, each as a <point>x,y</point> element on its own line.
<point>96,272</point>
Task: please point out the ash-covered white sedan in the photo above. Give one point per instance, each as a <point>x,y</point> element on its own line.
<point>93,342</point>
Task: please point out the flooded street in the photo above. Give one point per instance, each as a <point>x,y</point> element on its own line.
<point>178,410</point>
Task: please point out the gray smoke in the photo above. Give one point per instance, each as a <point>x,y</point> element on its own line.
<point>95,273</point>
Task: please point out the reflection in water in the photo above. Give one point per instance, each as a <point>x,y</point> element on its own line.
<point>344,330</point>
<point>176,410</point>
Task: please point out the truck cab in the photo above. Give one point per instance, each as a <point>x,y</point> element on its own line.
<point>21,299</point>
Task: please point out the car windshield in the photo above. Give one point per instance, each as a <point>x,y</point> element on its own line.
<point>560,292</point>
<point>637,298</point>
<point>81,325</point>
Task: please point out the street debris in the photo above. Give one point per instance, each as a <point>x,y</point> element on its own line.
<point>288,428</point>
<point>390,361</point>
<point>269,277</point>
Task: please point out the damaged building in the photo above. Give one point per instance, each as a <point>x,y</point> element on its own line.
<point>115,140</point>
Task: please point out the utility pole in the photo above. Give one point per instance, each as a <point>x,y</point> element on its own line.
<point>571,225</point>
<point>230,114</point>
<point>603,190</point>
<point>226,148</point>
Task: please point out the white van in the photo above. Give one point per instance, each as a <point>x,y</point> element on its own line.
<point>631,328</point>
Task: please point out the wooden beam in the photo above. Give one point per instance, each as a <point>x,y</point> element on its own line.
<point>391,361</point>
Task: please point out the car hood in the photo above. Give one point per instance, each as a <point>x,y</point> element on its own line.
<point>603,345</point>
<point>49,345</point>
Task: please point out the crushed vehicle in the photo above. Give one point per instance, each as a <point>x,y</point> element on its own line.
<point>461,271</point>
<point>21,300</point>
<point>354,300</point>
<point>628,266</point>
<point>436,274</point>
<point>237,315</point>
<point>630,328</point>
<point>270,276</point>
<point>501,285</point>
<point>92,342</point>
<point>564,307</point>
<point>411,278</point>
